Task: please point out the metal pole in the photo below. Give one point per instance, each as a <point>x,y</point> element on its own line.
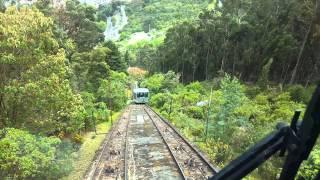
<point>208,114</point>
<point>170,107</point>
<point>111,117</point>
<point>109,102</point>
<point>94,122</point>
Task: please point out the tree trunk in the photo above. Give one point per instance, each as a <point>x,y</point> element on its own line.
<point>182,75</point>
<point>235,55</point>
<point>207,62</point>
<point>294,72</point>
<point>306,39</point>
<point>194,68</point>
<point>224,51</point>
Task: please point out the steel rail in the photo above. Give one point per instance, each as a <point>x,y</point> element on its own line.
<point>173,134</point>
<point>126,148</point>
<point>106,144</point>
<point>213,169</point>
<point>166,143</point>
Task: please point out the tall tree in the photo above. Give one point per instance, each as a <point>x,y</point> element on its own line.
<point>34,92</point>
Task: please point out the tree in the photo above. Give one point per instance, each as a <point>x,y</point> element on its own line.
<point>264,77</point>
<point>232,96</point>
<point>104,11</point>
<point>34,92</point>
<point>89,68</point>
<point>312,30</point>
<point>113,91</point>
<point>239,38</point>
<point>81,24</point>
<point>114,59</point>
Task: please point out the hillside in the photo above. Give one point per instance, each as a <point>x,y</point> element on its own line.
<point>161,15</point>
<point>224,73</point>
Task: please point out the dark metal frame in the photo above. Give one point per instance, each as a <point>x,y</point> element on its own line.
<point>296,141</point>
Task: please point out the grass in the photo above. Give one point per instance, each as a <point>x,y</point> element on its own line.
<point>88,149</point>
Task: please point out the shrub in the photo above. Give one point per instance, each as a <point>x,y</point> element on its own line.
<point>158,100</point>
<point>27,156</point>
<point>297,93</point>
<point>195,112</point>
<point>77,138</point>
<point>311,167</point>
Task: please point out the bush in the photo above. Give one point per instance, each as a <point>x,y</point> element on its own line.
<point>311,167</point>
<point>26,156</point>
<point>297,93</point>
<point>77,138</point>
<point>195,112</point>
<point>158,100</point>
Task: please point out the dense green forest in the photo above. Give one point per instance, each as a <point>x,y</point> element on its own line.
<point>58,76</point>
<point>256,62</point>
<point>247,39</point>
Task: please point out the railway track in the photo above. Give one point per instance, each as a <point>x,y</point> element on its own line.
<point>142,145</point>
<point>110,162</point>
<point>193,164</point>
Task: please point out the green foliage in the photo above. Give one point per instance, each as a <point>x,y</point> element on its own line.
<point>161,14</point>
<point>34,91</point>
<point>254,40</point>
<point>104,11</point>
<point>263,80</point>
<point>77,139</point>
<point>98,68</point>
<point>53,74</point>
<point>159,99</point>
<point>161,82</point>
<point>81,24</point>
<point>311,167</point>
<point>284,107</point>
<point>239,116</point>
<point>195,112</point>
<point>2,5</point>
<point>33,38</point>
<point>112,91</point>
<point>196,87</point>
<point>114,59</point>
<point>300,94</point>
<point>218,151</point>
<point>154,83</point>
<point>26,156</point>
<point>232,96</point>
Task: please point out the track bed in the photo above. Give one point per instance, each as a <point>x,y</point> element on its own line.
<point>142,145</point>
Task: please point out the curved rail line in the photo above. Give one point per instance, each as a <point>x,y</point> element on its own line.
<point>191,147</point>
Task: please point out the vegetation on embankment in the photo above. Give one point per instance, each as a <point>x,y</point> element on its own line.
<point>91,144</point>
<point>239,115</point>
